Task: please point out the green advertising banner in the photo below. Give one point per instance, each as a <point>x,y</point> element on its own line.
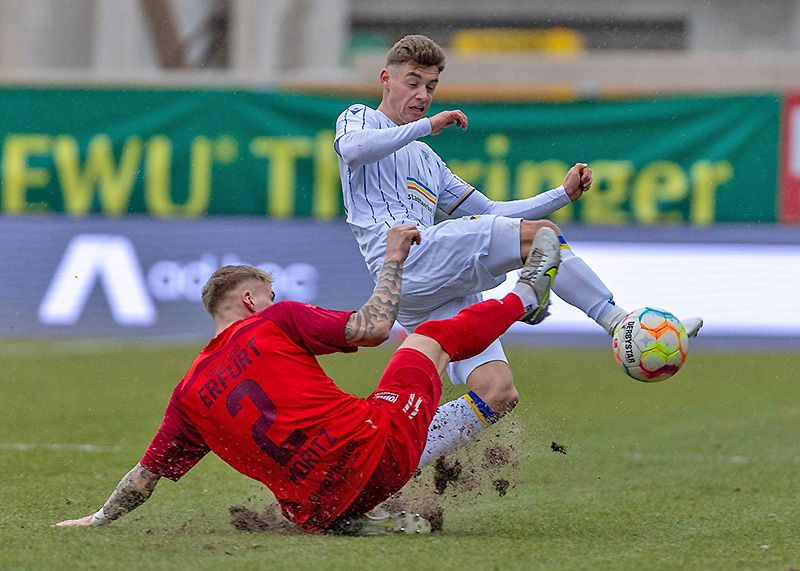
<point>190,153</point>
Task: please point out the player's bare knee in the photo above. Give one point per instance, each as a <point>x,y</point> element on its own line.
<point>528,229</point>
<point>494,384</point>
<point>503,399</point>
<point>551,225</point>
<point>428,347</point>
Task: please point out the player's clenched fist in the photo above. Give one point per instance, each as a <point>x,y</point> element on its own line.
<point>399,240</point>
<point>442,120</point>
<point>578,180</point>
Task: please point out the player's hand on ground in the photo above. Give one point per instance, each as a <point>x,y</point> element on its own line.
<point>399,240</point>
<point>578,181</point>
<point>82,522</point>
<point>442,120</point>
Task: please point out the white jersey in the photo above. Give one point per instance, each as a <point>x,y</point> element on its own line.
<point>390,178</point>
<point>405,187</point>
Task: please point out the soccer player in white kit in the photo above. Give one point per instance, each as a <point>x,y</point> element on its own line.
<point>468,242</point>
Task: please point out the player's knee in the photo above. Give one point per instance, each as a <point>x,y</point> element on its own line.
<point>504,399</point>
<point>494,384</point>
<point>500,398</point>
<point>527,230</point>
<point>429,347</point>
<point>552,226</point>
<point>529,227</point>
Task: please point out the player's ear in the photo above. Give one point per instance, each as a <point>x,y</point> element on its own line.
<point>384,76</point>
<point>248,301</point>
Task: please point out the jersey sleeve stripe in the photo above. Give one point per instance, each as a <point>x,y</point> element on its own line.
<point>461,200</point>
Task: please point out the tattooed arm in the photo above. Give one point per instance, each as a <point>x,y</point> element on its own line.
<point>132,491</point>
<point>371,324</point>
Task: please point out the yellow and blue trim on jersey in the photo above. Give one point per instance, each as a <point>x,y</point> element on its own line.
<point>461,200</point>
<point>563,242</point>
<point>414,184</point>
<point>485,414</point>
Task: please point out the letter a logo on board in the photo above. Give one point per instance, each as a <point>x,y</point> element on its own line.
<point>111,260</point>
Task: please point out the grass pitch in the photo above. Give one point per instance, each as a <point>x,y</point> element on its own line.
<point>699,472</point>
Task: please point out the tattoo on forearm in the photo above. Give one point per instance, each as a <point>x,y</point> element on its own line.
<point>380,309</point>
<point>132,491</point>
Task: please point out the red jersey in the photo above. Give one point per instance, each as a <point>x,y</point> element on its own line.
<point>257,397</point>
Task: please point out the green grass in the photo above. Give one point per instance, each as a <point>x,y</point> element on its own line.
<point>699,472</point>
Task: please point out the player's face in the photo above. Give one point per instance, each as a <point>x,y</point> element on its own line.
<point>408,91</point>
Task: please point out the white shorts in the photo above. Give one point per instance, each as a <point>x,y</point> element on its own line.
<point>458,371</point>
<point>456,261</point>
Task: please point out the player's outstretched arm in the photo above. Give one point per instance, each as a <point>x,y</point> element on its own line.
<point>577,181</point>
<point>372,324</point>
<point>368,145</point>
<point>131,492</point>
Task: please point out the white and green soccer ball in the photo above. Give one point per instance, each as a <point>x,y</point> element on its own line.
<point>650,344</point>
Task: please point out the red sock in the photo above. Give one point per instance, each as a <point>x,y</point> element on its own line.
<point>473,328</point>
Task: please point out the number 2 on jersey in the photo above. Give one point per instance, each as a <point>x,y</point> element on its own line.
<point>249,389</point>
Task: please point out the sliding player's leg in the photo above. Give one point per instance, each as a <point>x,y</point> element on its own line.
<point>411,385</point>
<point>492,392</point>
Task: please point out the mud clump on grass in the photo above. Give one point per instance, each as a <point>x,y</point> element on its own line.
<point>245,518</point>
<point>487,465</point>
<point>445,473</point>
<point>501,486</point>
<point>434,513</point>
<point>558,448</point>
<point>394,504</point>
<point>427,505</point>
<point>496,456</point>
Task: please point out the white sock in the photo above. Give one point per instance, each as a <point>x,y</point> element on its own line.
<point>526,295</point>
<point>610,315</point>
<point>578,285</point>
<point>454,425</point>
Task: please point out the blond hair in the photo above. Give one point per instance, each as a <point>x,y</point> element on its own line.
<point>416,49</point>
<point>228,278</point>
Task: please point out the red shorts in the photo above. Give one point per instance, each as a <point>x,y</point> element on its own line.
<point>409,393</point>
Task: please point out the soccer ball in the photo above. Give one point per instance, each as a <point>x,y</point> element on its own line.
<point>650,344</point>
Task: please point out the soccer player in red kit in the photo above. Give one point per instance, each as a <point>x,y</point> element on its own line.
<point>257,397</point>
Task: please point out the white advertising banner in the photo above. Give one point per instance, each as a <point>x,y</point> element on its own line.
<point>141,278</point>
<point>738,289</point>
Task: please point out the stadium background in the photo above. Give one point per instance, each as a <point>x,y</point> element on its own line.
<point>143,143</point>
<point>136,121</point>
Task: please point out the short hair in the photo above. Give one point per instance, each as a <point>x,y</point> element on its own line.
<point>228,278</point>
<point>420,50</point>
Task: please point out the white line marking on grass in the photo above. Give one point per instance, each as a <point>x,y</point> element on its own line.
<point>50,348</point>
<point>24,447</point>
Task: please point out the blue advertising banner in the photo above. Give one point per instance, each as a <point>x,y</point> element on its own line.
<point>140,277</point>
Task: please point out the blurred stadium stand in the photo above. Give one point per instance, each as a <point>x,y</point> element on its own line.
<point>572,47</point>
